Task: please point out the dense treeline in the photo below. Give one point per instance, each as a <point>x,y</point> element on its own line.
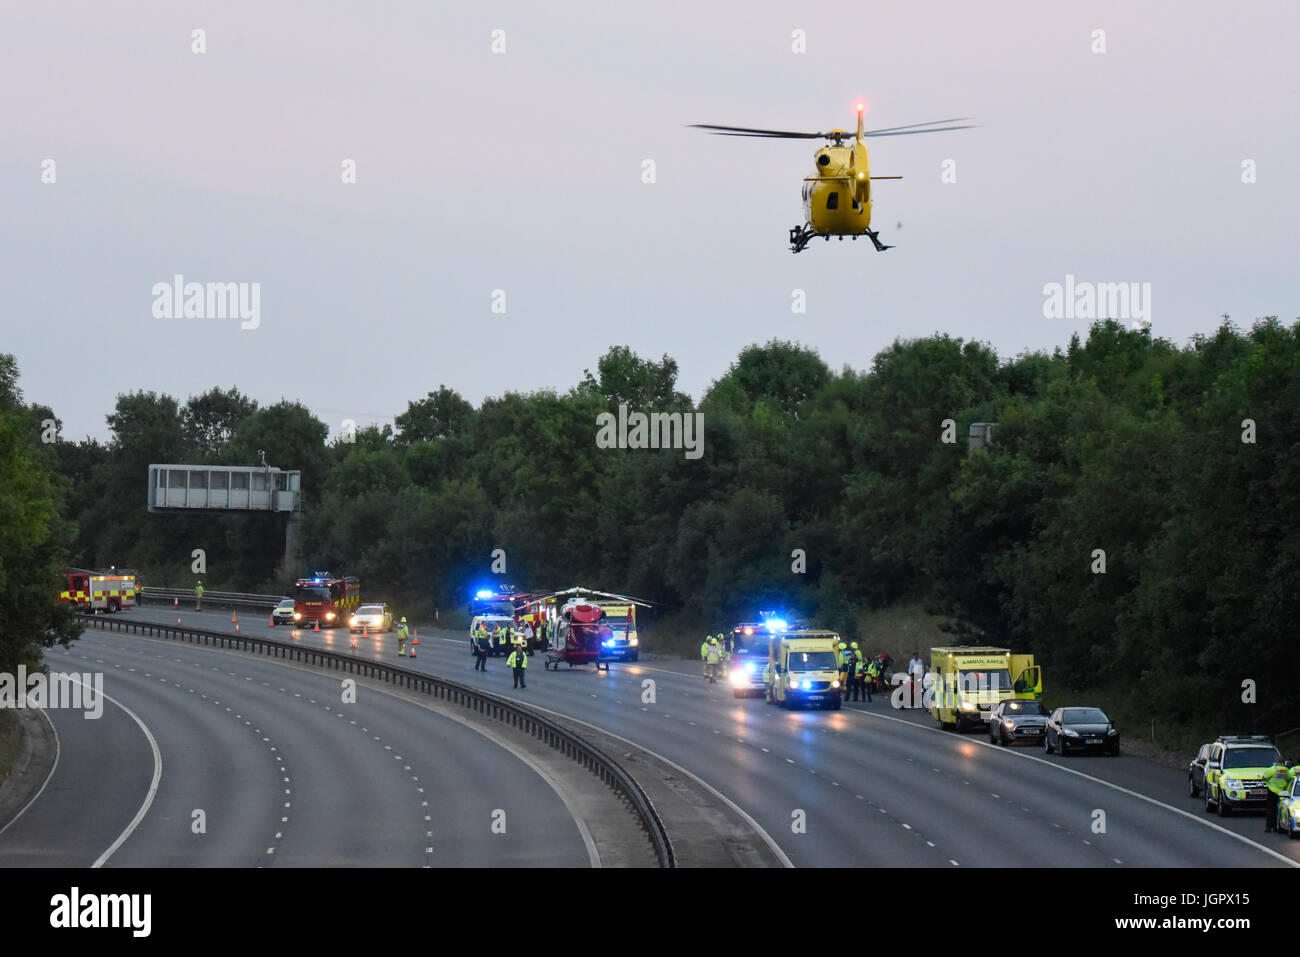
<point>832,492</point>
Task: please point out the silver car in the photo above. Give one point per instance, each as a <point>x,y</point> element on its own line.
<point>374,619</point>
<point>1019,719</point>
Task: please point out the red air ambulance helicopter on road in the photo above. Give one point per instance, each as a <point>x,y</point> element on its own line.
<point>581,633</point>
<point>579,636</point>
<point>837,199</point>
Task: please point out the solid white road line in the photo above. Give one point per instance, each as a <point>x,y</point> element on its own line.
<point>153,785</point>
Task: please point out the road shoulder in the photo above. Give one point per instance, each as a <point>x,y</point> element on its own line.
<point>36,760</point>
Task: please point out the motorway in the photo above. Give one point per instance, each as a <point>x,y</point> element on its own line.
<point>865,786</point>
<point>279,771</point>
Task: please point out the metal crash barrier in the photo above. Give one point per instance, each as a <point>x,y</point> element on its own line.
<point>216,599</point>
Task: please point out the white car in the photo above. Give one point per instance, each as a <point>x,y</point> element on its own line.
<point>375,619</point>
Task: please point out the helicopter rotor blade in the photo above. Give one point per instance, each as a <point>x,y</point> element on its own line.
<point>912,126</point>
<point>910,130</point>
<point>747,131</point>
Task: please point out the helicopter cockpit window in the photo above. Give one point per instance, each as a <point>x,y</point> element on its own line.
<point>833,200</point>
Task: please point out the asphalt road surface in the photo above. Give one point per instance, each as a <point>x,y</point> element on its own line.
<point>278,769</point>
<point>868,785</point>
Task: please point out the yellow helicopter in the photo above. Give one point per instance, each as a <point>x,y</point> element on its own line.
<point>837,201</point>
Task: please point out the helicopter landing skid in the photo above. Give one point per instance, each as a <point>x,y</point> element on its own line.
<point>875,238</point>
<point>801,236</point>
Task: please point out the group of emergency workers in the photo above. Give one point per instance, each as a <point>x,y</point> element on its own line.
<point>507,637</point>
<point>859,675</point>
<point>715,652</point>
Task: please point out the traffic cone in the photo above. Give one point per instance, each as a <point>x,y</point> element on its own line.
<point>354,638</point>
<point>234,619</point>
<point>317,628</point>
<point>415,640</point>
<point>176,604</point>
<point>272,623</point>
<point>236,627</point>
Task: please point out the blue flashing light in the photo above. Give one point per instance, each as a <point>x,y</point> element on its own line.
<point>484,593</point>
<point>775,624</point>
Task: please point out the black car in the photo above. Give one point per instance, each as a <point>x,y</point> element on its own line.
<point>1080,729</point>
<point>1196,771</point>
<point>1018,720</point>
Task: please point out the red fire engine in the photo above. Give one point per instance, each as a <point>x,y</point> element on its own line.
<point>326,599</point>
<point>90,592</point>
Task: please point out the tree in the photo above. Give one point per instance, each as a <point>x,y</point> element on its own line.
<point>34,534</point>
<point>439,415</point>
<point>209,421</point>
<point>782,371</point>
<point>624,378</point>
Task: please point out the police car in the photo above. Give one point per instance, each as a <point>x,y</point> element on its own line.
<point>1235,772</point>
<point>283,613</point>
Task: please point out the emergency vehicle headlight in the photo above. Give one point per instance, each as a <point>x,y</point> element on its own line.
<point>806,685</point>
<point>1008,724</point>
<point>750,667</point>
<point>633,641</point>
<point>297,614</point>
<point>969,706</point>
<point>737,678</point>
<point>794,682</point>
<point>835,684</point>
<point>329,615</point>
